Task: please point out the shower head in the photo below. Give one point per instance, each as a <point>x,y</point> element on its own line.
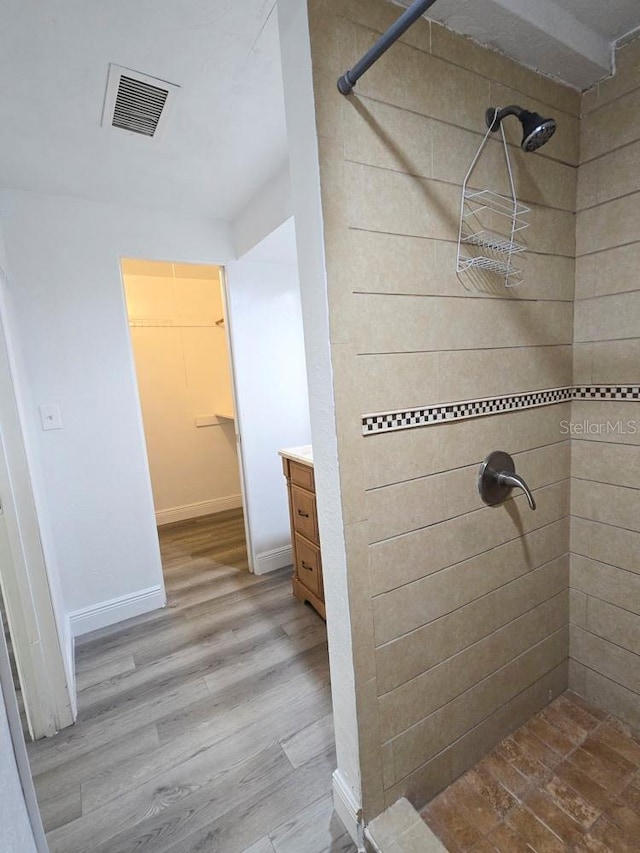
<point>535,129</point>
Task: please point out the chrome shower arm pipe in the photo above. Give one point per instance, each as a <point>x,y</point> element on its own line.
<point>408,17</point>
<point>494,116</point>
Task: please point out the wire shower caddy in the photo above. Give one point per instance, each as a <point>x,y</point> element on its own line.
<point>490,222</point>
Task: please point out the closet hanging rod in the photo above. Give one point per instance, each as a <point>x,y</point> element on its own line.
<point>408,17</point>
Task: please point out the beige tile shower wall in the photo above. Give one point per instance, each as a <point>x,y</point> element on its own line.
<point>460,610</point>
<point>605,492</point>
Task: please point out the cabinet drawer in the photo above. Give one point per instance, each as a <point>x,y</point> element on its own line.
<point>302,475</point>
<point>303,510</point>
<point>308,565</point>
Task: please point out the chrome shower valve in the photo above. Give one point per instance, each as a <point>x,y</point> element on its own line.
<point>498,477</point>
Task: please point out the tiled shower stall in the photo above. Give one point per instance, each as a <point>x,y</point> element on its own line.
<point>468,619</point>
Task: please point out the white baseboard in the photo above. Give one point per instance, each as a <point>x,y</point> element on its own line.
<point>116,610</point>
<point>347,809</point>
<point>269,561</point>
<point>183,513</point>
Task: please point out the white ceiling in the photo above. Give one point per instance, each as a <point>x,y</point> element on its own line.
<point>227,135</point>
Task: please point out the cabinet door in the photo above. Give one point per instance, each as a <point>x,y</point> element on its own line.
<point>308,565</point>
<point>302,475</point>
<point>303,507</point>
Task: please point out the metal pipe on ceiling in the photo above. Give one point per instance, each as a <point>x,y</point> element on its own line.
<point>408,17</point>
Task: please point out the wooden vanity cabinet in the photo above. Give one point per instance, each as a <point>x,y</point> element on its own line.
<point>307,563</point>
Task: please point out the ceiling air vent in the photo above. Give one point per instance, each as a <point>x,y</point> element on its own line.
<point>137,103</point>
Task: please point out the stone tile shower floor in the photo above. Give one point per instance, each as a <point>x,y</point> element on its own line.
<point>569,779</point>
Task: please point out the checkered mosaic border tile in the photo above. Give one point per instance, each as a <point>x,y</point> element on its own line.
<point>606,392</point>
<point>447,412</point>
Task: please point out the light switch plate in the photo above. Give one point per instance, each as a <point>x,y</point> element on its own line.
<point>50,416</point>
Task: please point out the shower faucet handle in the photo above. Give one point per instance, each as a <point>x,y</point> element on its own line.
<point>498,476</point>
<point>511,480</point>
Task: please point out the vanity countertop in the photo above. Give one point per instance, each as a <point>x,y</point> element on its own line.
<point>302,454</point>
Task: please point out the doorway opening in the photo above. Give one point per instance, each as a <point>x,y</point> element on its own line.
<point>178,330</point>
<point>181,354</point>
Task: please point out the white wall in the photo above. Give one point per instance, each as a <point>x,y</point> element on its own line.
<point>27,509</point>
<point>71,318</point>
<point>25,411</point>
<point>267,210</point>
<point>305,181</point>
<point>182,367</point>
<point>271,385</point>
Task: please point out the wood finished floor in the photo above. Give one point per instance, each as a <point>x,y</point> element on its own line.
<point>205,726</point>
<point>568,780</point>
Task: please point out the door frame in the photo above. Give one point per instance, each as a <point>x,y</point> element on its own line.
<point>237,422</point>
<point>48,700</point>
<point>8,696</point>
<point>132,362</point>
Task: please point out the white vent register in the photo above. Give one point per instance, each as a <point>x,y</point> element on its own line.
<point>137,103</point>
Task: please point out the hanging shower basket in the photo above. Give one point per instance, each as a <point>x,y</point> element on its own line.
<point>490,223</point>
